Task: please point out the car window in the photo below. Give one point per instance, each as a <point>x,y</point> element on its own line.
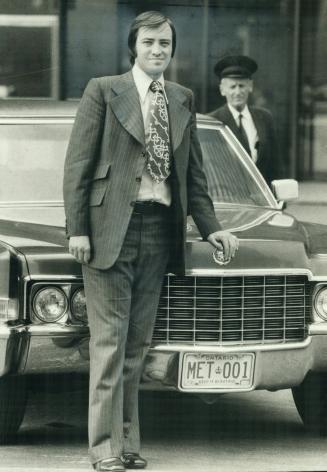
<point>230,179</point>
<point>31,161</point>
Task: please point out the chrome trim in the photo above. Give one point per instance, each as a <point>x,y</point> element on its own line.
<point>43,277</point>
<point>218,257</point>
<point>5,330</point>
<point>48,279</point>
<point>256,222</point>
<point>45,329</point>
<point>280,346</point>
<point>57,330</point>
<point>37,120</point>
<point>37,204</point>
<point>67,287</point>
<point>275,369</point>
<point>233,310</point>
<point>318,328</point>
<point>240,272</point>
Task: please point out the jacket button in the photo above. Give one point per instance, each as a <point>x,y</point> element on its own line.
<point>132,204</point>
<point>138,179</point>
<point>143,154</point>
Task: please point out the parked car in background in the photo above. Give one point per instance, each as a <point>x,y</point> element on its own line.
<point>257,322</point>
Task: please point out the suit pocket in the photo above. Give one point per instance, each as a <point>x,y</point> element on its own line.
<point>99,185</point>
<point>101,172</point>
<point>97,195</point>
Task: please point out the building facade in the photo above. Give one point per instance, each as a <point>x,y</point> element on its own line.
<point>51,48</point>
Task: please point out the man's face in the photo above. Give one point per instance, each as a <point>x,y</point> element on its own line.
<point>153,49</point>
<point>236,91</point>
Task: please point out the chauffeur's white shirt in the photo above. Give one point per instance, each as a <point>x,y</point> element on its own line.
<point>249,127</point>
<point>149,190</point>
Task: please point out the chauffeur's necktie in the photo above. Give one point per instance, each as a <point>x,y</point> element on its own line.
<point>243,134</point>
<point>158,148</point>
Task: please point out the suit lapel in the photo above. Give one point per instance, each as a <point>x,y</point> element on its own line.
<point>127,109</point>
<point>179,115</point>
<point>126,106</point>
<point>228,119</point>
<point>258,123</point>
<point>261,131</point>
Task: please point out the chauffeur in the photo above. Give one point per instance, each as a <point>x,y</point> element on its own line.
<point>253,126</point>
<point>131,172</point>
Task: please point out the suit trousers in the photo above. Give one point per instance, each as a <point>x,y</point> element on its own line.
<point>122,302</point>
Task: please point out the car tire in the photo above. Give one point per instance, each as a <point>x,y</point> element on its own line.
<point>13,399</point>
<point>311,402</point>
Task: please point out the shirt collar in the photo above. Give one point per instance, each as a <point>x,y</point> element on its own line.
<point>143,81</point>
<point>245,112</point>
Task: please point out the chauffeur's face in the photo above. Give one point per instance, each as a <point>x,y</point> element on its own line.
<point>236,91</point>
<point>153,49</point>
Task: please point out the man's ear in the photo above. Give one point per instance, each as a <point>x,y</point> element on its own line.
<point>250,85</point>
<point>222,90</point>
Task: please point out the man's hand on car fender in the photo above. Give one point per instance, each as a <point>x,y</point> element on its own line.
<point>80,248</point>
<point>224,241</point>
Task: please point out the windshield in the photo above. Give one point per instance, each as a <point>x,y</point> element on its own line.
<point>231,179</point>
<point>32,159</point>
<point>31,162</point>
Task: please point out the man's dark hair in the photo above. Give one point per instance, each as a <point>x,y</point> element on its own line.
<point>149,19</point>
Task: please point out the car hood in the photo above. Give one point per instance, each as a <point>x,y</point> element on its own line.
<point>269,241</point>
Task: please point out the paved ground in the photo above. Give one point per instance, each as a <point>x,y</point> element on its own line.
<point>253,432</point>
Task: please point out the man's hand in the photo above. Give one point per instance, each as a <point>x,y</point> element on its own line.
<point>224,241</point>
<point>80,248</point>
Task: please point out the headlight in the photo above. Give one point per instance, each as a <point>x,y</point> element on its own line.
<point>78,305</point>
<point>50,304</point>
<point>320,303</point>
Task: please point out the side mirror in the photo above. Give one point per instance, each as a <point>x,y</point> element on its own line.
<point>286,190</point>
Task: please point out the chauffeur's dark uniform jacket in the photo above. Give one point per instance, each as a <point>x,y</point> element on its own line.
<point>268,161</point>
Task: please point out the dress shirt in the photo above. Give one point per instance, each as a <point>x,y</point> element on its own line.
<point>149,190</point>
<point>249,128</point>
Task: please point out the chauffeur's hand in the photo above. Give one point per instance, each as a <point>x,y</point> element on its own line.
<point>80,248</point>
<point>224,241</point>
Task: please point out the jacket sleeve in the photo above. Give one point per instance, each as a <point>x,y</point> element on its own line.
<point>82,153</point>
<point>199,202</point>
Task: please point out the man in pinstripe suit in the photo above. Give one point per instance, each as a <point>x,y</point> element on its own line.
<point>125,224</point>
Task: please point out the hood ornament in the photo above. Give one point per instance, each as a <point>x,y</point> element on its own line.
<point>219,258</point>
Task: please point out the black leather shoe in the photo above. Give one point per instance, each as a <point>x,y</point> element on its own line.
<point>112,464</point>
<point>131,460</point>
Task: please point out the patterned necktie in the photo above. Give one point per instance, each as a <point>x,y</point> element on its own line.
<point>243,134</point>
<point>158,148</point>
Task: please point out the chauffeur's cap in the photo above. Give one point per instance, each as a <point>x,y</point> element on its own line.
<point>235,67</point>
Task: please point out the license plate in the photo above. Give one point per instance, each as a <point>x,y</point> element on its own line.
<point>212,371</point>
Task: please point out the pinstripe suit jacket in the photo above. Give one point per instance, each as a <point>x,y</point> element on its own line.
<point>268,161</point>
<point>105,160</point>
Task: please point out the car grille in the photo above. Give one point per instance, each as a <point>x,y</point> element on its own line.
<point>233,310</point>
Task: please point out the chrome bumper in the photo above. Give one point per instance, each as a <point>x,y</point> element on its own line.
<point>51,349</point>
